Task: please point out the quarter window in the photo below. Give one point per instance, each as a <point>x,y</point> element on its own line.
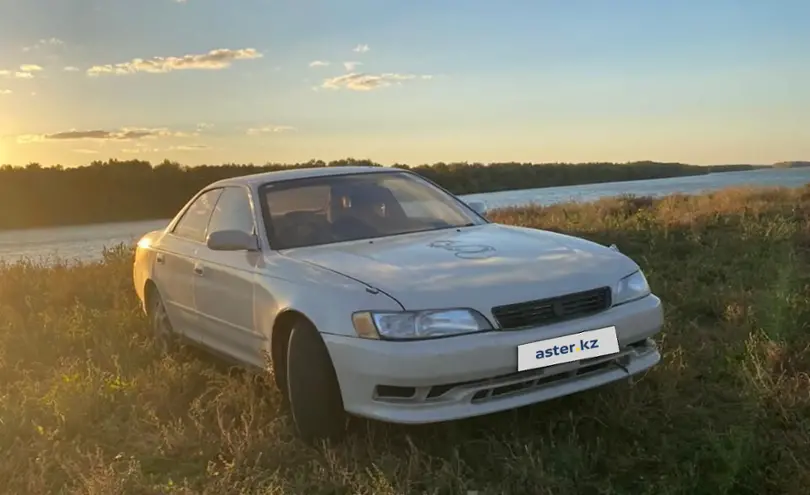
<point>232,212</point>
<point>193,223</point>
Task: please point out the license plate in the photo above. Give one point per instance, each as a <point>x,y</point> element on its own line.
<point>574,347</point>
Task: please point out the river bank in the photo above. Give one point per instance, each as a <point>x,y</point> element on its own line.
<point>135,190</point>
<point>86,242</point>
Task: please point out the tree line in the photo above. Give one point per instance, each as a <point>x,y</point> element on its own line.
<point>117,191</point>
<point>793,164</point>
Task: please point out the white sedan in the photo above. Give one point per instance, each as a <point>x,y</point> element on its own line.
<point>377,293</point>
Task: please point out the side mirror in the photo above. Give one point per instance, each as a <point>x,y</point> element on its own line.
<point>478,205</point>
<point>231,240</point>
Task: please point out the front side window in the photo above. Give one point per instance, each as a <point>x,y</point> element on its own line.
<point>193,223</point>
<point>323,210</point>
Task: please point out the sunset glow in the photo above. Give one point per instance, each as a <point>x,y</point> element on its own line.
<point>416,82</point>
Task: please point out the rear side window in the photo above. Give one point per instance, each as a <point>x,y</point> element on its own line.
<point>233,212</point>
<point>193,223</point>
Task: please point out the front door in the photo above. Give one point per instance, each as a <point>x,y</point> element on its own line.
<point>174,269</point>
<point>226,284</point>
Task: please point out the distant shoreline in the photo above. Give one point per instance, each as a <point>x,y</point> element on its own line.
<point>127,191</point>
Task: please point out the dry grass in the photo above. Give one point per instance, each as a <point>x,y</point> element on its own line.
<point>87,406</point>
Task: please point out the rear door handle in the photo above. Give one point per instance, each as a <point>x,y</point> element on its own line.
<point>198,269</point>
<point>159,258</point>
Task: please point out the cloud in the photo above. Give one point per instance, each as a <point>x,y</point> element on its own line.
<point>70,68</point>
<point>29,138</point>
<point>361,49</point>
<point>17,74</point>
<point>368,82</point>
<point>204,125</point>
<point>124,134</point>
<point>43,43</point>
<point>30,68</point>
<point>5,91</point>
<point>213,60</point>
<point>269,129</point>
<point>350,66</point>
<point>190,147</point>
<point>85,151</point>
<point>318,63</point>
<point>99,134</point>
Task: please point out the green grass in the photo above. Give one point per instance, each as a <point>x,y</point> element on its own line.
<point>88,406</point>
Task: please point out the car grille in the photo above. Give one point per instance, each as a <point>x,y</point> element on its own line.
<point>552,310</point>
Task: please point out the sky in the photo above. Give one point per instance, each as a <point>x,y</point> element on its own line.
<point>417,81</point>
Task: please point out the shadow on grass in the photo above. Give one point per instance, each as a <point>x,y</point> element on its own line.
<point>89,405</point>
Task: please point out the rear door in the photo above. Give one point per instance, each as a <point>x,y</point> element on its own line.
<point>174,263</point>
<point>225,285</point>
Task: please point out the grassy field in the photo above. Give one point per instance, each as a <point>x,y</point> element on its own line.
<point>88,406</point>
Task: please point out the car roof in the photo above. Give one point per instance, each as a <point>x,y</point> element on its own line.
<point>297,173</point>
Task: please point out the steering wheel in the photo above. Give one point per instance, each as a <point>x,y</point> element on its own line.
<point>308,228</point>
<point>302,226</point>
<point>350,227</point>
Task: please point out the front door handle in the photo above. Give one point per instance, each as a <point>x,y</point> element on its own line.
<point>198,270</point>
<point>159,258</point>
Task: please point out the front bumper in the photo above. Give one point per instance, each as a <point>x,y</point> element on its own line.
<point>458,377</point>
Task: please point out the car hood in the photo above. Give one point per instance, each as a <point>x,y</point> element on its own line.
<point>473,267</point>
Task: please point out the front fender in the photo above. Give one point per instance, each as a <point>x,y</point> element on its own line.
<point>326,298</point>
<point>144,264</point>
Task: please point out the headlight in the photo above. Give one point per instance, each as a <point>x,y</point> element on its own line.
<point>630,288</point>
<point>411,325</point>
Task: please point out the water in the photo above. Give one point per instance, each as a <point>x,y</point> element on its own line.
<point>655,187</point>
<point>86,242</point>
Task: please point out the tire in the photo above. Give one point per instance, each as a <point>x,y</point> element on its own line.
<point>312,388</point>
<point>162,330</point>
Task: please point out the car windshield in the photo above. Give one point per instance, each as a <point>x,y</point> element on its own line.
<point>327,209</point>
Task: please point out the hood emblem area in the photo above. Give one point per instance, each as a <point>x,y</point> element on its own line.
<point>465,251</point>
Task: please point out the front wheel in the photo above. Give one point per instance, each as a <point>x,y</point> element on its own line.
<point>312,386</point>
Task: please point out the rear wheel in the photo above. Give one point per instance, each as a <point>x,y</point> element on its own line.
<point>162,330</point>
<point>312,387</point>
